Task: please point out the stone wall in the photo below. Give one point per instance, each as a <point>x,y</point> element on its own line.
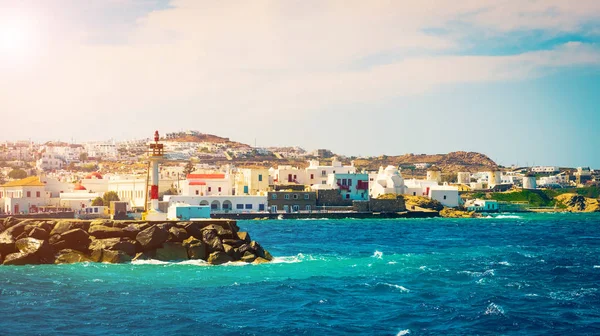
<point>387,205</point>
<point>51,241</point>
<point>331,198</point>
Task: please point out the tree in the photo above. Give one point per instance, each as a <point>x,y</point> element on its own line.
<point>83,157</point>
<point>110,197</point>
<point>98,201</point>
<point>189,168</point>
<point>17,174</point>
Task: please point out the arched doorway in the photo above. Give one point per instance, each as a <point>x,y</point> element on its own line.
<point>227,205</point>
<point>215,205</point>
<point>204,202</point>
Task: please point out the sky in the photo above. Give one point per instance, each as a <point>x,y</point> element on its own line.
<point>517,80</point>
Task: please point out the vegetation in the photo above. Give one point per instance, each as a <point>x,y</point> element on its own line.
<point>17,174</point>
<point>109,197</point>
<point>537,198</point>
<point>98,201</point>
<point>189,168</point>
<point>83,157</point>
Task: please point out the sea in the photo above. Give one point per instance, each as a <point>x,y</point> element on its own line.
<point>507,274</point>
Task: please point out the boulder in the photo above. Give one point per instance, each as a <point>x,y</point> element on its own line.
<point>10,222</point>
<point>194,229</point>
<point>75,239</point>
<point>144,256</point>
<point>212,241</point>
<point>152,237</point>
<point>233,242</point>
<point>21,258</point>
<point>260,260</point>
<point>8,238</point>
<point>68,256</point>
<point>113,257</point>
<point>195,248</point>
<point>218,258</point>
<point>38,233</point>
<point>234,253</point>
<point>221,231</point>
<point>114,244</point>
<point>102,222</point>
<point>102,232</point>
<point>40,248</point>
<point>248,257</point>
<point>171,251</point>
<point>177,234</point>
<point>66,225</point>
<point>244,236</point>
<point>268,255</point>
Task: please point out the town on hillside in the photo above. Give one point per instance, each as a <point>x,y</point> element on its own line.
<point>231,178</point>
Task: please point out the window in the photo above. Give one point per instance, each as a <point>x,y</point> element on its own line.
<point>323,173</point>
<point>349,182</point>
<point>197,192</point>
<point>414,194</point>
<point>261,207</point>
<point>312,176</point>
<point>219,189</point>
<point>347,196</point>
<point>444,196</point>
<point>209,188</point>
<point>306,196</point>
<point>295,196</point>
<point>323,182</point>
<point>248,206</point>
<point>339,181</point>
<point>259,177</point>
<point>273,196</point>
<point>296,208</point>
<point>29,194</point>
<point>308,208</point>
<point>286,196</point>
<point>239,206</point>
<point>344,182</point>
<point>96,210</point>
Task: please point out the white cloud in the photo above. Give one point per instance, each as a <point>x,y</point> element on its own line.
<point>276,57</point>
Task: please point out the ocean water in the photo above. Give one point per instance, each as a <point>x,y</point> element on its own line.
<point>509,274</point>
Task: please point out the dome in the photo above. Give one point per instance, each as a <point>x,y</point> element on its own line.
<point>79,187</point>
<point>94,175</point>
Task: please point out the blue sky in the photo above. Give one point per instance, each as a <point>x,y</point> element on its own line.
<point>516,80</point>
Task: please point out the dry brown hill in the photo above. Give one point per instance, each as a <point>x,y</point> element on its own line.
<point>451,162</point>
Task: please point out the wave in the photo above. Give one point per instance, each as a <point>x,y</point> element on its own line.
<point>403,332</point>
<point>494,309</point>
<point>489,272</point>
<point>378,255</point>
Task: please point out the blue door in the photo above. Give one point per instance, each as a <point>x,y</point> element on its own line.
<point>261,207</point>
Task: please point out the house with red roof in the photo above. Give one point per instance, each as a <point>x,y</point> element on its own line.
<point>212,184</point>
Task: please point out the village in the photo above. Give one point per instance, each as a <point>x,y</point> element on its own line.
<point>83,180</point>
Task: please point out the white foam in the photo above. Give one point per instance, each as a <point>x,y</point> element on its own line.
<point>392,263</point>
<point>378,255</point>
<point>403,332</point>
<point>596,266</point>
<point>195,262</point>
<point>401,288</point>
<point>149,262</point>
<point>508,217</point>
<point>494,309</point>
<point>505,263</point>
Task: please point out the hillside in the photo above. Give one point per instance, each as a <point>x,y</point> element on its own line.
<point>451,162</point>
<point>202,137</point>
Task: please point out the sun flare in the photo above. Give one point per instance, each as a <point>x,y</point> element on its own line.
<point>16,36</point>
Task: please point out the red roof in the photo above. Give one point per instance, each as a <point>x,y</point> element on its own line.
<point>197,183</point>
<point>94,175</point>
<point>79,187</point>
<point>206,176</point>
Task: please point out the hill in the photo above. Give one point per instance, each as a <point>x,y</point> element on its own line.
<point>203,137</point>
<point>448,163</point>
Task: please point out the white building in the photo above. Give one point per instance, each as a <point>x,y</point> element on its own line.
<point>223,203</point>
<point>50,162</point>
<point>545,169</point>
<point>386,181</point>
<point>283,175</point>
<point>464,177</point>
<point>317,174</point>
<point>207,185</point>
<point>102,150</point>
<point>23,196</point>
<point>482,205</point>
<point>445,194</point>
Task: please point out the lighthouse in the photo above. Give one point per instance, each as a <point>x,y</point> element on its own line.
<point>155,155</point>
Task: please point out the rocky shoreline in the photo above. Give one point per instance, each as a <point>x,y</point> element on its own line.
<point>63,241</point>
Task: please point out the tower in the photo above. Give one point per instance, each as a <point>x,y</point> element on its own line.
<point>155,155</point>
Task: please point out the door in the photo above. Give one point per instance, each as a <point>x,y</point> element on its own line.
<point>273,208</point>
<point>261,207</point>
<point>16,208</point>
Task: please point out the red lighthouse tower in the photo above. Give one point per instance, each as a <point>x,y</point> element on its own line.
<point>155,155</point>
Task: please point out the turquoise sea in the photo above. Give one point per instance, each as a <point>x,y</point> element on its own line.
<point>510,274</point>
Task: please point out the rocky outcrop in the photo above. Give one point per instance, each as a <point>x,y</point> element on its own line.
<point>578,203</point>
<point>41,241</point>
<point>453,213</point>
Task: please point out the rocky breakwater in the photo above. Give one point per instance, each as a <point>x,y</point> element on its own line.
<point>578,203</point>
<point>45,241</point>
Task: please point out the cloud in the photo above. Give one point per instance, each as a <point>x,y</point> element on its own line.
<point>278,58</point>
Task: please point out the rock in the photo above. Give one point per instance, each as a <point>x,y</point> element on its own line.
<point>75,239</point>
<point>177,234</point>
<point>233,242</point>
<point>195,248</point>
<point>102,222</point>
<point>218,258</point>
<point>114,244</point>
<point>221,231</point>
<point>212,241</point>
<point>114,257</point>
<point>268,255</point>
<point>260,260</point>
<point>152,237</point>
<point>194,229</point>
<point>244,236</point>
<point>20,258</point>
<point>144,256</point>
<point>69,256</point>
<point>10,222</point>
<point>253,248</point>
<point>102,232</point>
<point>33,249</point>
<point>67,225</point>
<point>171,251</point>
<point>38,233</point>
<point>453,213</point>
<point>234,253</point>
<point>578,203</point>
<point>8,238</point>
<point>248,257</point>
